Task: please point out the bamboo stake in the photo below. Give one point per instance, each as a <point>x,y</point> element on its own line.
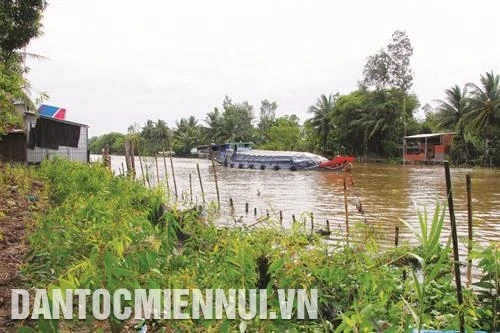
<point>312,222</point>
<point>147,175</point>
<point>127,156</point>
<point>255,211</point>
<point>157,172</point>
<point>165,163</point>
<point>132,159</point>
<point>216,183</point>
<point>173,174</point>
<point>140,162</point>
<point>469,223</point>
<point>346,212</point>
<point>454,238</point>
<point>396,239</point>
<point>201,184</point>
<point>190,188</point>
<point>246,207</point>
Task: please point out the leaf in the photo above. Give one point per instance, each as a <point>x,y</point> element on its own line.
<point>439,264</point>
<point>225,327</point>
<point>25,329</point>
<point>276,265</point>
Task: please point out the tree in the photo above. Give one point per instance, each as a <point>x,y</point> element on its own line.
<point>234,123</point>
<point>19,23</point>
<point>452,111</point>
<point>484,115</point>
<point>187,135</point>
<point>267,119</point>
<point>284,134</point>
<point>390,67</point>
<point>322,120</point>
<point>116,142</point>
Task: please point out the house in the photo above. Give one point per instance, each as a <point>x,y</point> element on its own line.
<point>427,148</point>
<point>44,137</point>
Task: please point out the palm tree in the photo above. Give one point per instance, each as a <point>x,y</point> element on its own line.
<point>187,134</point>
<point>453,110</point>
<point>485,108</point>
<point>322,120</point>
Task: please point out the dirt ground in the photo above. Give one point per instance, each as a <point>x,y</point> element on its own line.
<point>19,203</point>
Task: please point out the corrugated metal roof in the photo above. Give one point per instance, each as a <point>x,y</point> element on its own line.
<point>430,135</point>
<point>58,120</point>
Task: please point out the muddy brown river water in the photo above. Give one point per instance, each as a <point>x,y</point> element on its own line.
<point>387,193</point>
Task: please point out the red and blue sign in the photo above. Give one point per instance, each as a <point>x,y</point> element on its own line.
<point>52,111</point>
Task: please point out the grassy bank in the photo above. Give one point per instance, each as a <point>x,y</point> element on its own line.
<point>110,232</point>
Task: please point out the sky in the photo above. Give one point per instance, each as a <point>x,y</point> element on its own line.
<point>114,63</point>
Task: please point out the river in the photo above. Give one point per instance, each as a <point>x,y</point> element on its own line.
<point>387,193</point>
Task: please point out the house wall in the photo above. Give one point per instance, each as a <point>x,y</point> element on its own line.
<point>13,147</point>
<point>78,154</point>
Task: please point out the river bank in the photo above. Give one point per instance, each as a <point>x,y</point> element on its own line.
<point>23,197</point>
<point>111,232</point>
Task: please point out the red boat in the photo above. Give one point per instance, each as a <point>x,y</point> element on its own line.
<point>339,163</point>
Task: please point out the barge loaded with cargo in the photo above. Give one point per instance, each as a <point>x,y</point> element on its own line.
<point>241,155</point>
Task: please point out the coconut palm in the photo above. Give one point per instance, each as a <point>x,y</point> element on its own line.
<point>485,108</point>
<point>452,111</point>
<point>322,120</point>
<point>484,103</point>
<point>453,108</point>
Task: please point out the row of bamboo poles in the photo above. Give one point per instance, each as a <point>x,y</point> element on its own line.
<point>130,164</point>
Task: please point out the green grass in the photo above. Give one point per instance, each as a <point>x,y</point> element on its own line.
<point>110,232</point>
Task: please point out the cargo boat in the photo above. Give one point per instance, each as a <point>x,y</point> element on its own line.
<point>241,155</point>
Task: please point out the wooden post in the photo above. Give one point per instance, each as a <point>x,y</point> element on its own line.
<point>190,188</point>
<point>132,159</point>
<point>346,212</point>
<point>215,178</point>
<point>106,159</point>
<point>246,207</point>
<point>165,163</point>
<point>267,213</point>
<point>396,238</point>
<point>469,223</point>
<point>140,162</point>
<point>293,218</point>
<point>201,184</point>
<point>173,174</point>
<point>231,204</point>
<point>127,157</point>
<point>281,216</point>
<point>312,222</point>
<point>147,175</point>
<point>454,238</point>
<point>123,169</point>
<point>328,226</point>
<point>255,211</point>
<point>157,172</point>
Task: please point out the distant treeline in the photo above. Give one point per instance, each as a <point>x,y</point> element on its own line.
<point>369,121</point>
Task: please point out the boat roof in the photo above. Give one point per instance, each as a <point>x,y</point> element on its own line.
<point>275,153</point>
<point>430,135</point>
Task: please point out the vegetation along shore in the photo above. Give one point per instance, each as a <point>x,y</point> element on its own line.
<point>89,229</point>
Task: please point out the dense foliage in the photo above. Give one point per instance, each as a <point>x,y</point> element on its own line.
<point>473,113</point>
<point>20,21</point>
<point>110,232</point>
